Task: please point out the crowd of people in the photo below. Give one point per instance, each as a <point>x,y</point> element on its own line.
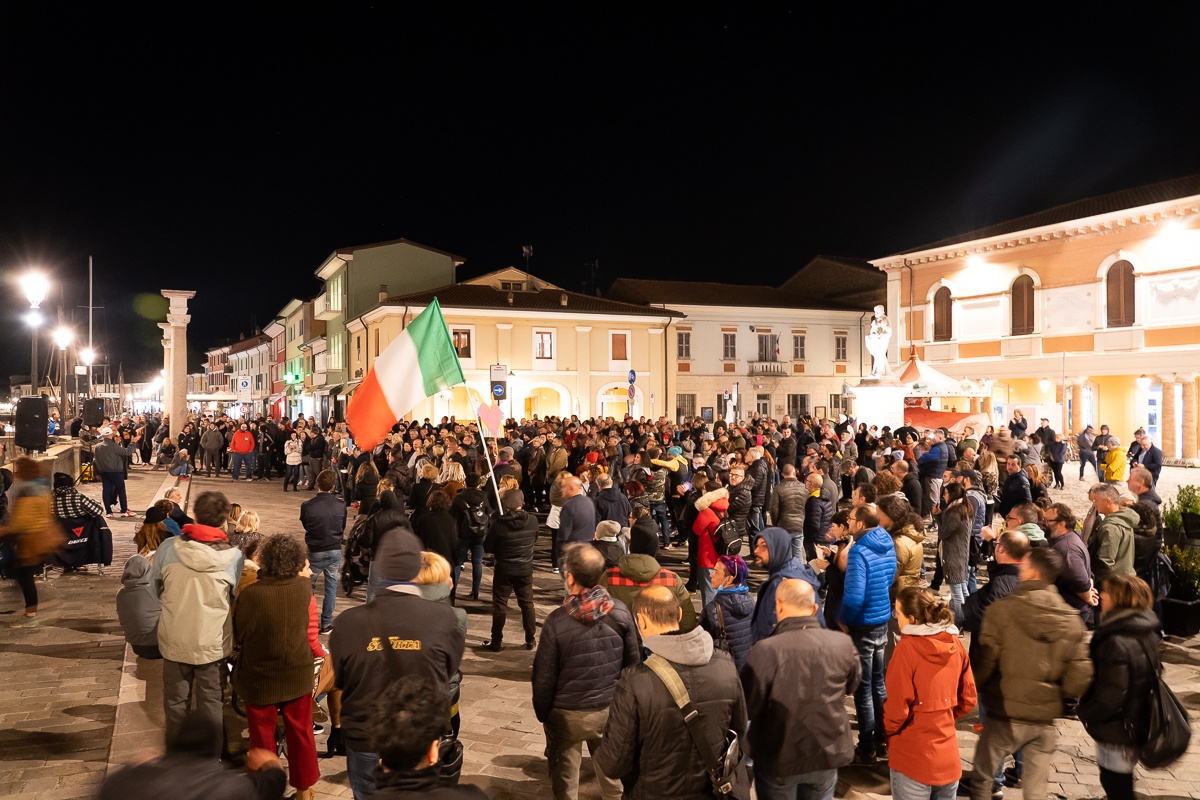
<point>806,580</point>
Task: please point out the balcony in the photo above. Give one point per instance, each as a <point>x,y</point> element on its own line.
<point>773,368</point>
<point>327,306</point>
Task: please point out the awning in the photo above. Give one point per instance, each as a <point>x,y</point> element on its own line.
<point>213,397</point>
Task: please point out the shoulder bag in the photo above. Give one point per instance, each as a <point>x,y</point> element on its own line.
<point>1168,729</point>
<point>726,771</point>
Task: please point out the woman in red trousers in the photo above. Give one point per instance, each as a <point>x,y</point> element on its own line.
<point>929,686</point>
<point>274,625</point>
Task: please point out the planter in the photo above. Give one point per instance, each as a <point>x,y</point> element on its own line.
<point>1181,617</point>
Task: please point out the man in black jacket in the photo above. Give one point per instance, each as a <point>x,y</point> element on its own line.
<point>324,521</point>
<point>611,503</point>
<point>759,470</point>
<point>511,540</point>
<point>398,633</point>
<point>645,742</point>
<point>909,483</point>
<point>787,507</point>
<point>1015,490</point>
<point>800,732</point>
<point>586,642</point>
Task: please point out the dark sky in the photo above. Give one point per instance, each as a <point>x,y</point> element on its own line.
<point>229,149</point>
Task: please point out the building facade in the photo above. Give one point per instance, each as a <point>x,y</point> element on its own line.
<point>1091,309</point>
<point>563,352</point>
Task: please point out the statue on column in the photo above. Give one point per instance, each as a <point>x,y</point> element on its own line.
<point>878,338</point>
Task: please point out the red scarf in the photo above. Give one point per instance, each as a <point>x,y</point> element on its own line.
<point>205,533</point>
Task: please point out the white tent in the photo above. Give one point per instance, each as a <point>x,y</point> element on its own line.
<point>212,397</point>
<point>921,380</point>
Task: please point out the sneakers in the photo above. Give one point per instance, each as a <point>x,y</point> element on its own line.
<point>493,645</point>
<point>27,622</point>
<point>864,759</point>
<point>128,514</point>
<point>1012,778</point>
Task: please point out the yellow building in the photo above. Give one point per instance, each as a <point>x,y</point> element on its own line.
<point>1095,303</point>
<point>563,353</point>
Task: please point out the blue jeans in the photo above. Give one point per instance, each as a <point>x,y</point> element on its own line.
<point>808,786</point>
<point>181,471</point>
<point>797,544</point>
<point>958,596</point>
<point>1086,458</point>
<point>755,523</point>
<point>905,788</point>
<point>871,693</point>
<point>474,549</point>
<point>707,592</point>
<point>328,562</point>
<point>360,769</point>
<point>238,460</point>
<point>658,510</point>
<point>972,584</point>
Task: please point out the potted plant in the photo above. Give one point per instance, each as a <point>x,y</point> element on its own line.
<point>1181,606</point>
<point>1186,501</point>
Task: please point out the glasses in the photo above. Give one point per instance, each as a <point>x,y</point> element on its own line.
<point>1051,520</point>
<point>1011,518</point>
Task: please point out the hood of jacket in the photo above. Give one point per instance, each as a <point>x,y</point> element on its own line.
<point>708,498</point>
<point>1126,518</point>
<point>200,557</point>
<point>692,649</point>
<point>932,644</point>
<point>137,571</point>
<point>909,532</point>
<point>1134,622</point>
<point>1048,621</point>
<point>779,553</point>
<point>638,567</point>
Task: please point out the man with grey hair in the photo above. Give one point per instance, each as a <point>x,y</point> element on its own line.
<point>800,731</point>
<point>611,502</point>
<point>758,469</point>
<point>577,520</point>
<point>1111,544</point>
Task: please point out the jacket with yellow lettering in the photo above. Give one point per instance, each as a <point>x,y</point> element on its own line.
<point>398,633</point>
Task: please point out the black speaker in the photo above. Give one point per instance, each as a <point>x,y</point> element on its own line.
<point>93,412</point>
<point>32,416</point>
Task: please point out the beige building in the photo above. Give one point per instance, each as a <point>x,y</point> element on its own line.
<point>1091,308</point>
<point>563,353</point>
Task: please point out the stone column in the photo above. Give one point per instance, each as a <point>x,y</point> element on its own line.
<point>175,384</point>
<point>1077,421</point>
<point>1189,418</point>
<point>1169,443</point>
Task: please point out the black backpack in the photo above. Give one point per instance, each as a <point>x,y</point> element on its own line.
<point>476,518</point>
<point>727,539</point>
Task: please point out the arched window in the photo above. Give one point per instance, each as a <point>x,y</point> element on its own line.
<point>943,315</point>
<point>1022,306</point>
<point>1120,295</point>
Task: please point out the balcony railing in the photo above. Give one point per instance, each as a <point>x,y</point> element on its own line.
<point>327,306</point>
<point>768,368</point>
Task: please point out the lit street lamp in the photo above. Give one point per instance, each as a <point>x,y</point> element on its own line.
<point>35,287</point>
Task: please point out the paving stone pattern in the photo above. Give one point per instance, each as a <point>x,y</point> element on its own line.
<point>65,678</point>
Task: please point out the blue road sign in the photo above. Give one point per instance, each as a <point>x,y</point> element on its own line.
<point>632,376</point>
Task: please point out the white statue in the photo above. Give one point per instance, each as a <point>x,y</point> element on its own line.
<point>878,338</point>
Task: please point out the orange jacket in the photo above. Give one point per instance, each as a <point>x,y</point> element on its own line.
<point>929,686</point>
<point>242,442</point>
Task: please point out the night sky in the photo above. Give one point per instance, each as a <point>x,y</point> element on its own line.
<point>229,150</point>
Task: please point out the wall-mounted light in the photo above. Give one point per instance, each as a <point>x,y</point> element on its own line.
<point>1143,382</point>
<point>1045,385</point>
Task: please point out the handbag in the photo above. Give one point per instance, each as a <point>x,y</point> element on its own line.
<point>722,640</point>
<point>1168,729</point>
<point>727,771</point>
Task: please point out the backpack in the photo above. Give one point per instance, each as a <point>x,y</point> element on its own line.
<point>476,518</point>
<point>727,539</point>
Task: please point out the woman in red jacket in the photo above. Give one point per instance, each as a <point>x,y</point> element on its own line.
<point>712,506</point>
<point>929,686</point>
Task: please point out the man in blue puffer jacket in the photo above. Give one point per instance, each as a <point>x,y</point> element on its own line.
<point>866,609</point>
<point>773,549</point>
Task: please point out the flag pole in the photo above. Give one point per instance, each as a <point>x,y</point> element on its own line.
<point>488,456</point>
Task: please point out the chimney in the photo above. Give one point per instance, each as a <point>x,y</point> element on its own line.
<point>383,292</point>
<point>563,300</point>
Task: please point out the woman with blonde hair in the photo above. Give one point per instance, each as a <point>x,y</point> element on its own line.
<point>248,522</point>
<point>235,513</point>
<point>435,583</point>
<point>452,479</point>
<point>418,501</point>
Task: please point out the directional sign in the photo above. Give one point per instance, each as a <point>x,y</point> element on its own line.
<point>243,389</point>
<point>726,394</point>
<point>632,392</point>
<point>632,376</point>
<point>498,390</point>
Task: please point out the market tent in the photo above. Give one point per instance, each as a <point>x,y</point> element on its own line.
<point>922,380</point>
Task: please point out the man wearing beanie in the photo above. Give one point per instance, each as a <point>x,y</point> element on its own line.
<point>396,634</point>
<point>608,542</point>
<point>640,569</point>
<point>68,501</point>
<point>511,540</point>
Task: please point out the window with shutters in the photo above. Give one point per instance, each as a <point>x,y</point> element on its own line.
<point>766,347</point>
<point>685,406</point>
<point>618,345</point>
<point>683,344</point>
<point>943,315</point>
<point>729,351</point>
<point>1120,295</point>
<point>799,405</point>
<point>798,347</point>
<point>1022,306</point>
<point>841,341</point>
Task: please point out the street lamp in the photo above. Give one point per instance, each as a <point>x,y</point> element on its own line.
<point>35,286</point>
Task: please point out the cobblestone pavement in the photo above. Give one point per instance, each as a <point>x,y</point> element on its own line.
<point>66,680</point>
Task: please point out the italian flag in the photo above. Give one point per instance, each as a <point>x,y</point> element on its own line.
<point>419,363</point>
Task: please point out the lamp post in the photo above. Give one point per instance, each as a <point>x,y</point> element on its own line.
<point>63,338</point>
<point>35,286</point>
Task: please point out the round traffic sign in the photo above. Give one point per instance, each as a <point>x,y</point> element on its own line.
<point>726,394</point>
<point>632,392</point>
<point>632,376</point>
<point>498,389</point>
